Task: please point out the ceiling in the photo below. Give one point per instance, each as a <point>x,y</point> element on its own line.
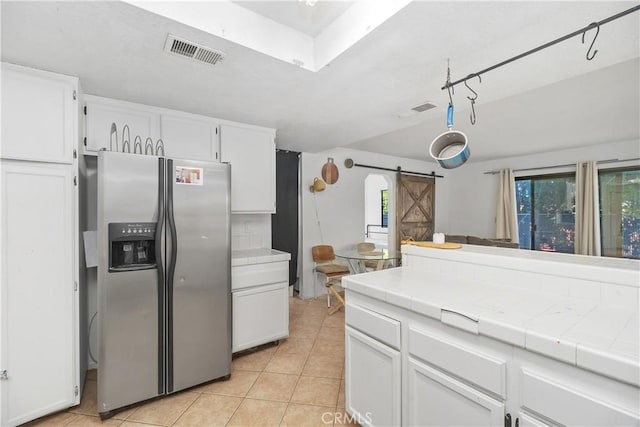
<point>550,100</point>
<point>310,20</point>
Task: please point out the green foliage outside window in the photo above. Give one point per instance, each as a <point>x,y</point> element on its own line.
<point>546,212</point>
<point>620,213</point>
<point>384,198</point>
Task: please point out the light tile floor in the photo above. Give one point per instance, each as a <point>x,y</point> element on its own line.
<point>299,382</point>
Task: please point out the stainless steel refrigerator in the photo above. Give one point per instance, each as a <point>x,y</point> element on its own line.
<point>164,276</point>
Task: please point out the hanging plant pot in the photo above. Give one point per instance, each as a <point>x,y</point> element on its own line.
<point>330,172</point>
<point>450,149</point>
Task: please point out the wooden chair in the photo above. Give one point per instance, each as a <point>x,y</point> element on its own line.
<point>365,247</point>
<point>323,256</point>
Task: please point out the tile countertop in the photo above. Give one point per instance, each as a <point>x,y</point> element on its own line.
<point>600,336</point>
<point>257,256</point>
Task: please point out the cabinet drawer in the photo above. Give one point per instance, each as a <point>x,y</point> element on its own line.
<point>247,276</point>
<point>567,406</point>
<point>376,325</point>
<point>469,364</point>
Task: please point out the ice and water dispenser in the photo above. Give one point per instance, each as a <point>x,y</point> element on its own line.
<point>132,246</point>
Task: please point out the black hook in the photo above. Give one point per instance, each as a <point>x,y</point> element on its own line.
<point>597,27</point>
<point>472,116</point>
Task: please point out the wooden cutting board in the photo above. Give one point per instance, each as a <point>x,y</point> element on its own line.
<point>445,245</point>
<point>330,172</point>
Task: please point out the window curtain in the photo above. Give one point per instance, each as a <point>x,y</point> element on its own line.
<point>506,213</point>
<point>587,237</point>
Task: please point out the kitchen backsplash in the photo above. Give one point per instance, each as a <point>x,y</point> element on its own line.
<point>250,231</point>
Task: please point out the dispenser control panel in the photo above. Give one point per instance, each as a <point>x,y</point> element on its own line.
<point>130,230</point>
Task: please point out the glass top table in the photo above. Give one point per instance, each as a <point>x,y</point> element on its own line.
<point>373,260</point>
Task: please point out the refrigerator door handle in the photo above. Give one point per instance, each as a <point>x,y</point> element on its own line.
<point>159,263</point>
<point>171,271</point>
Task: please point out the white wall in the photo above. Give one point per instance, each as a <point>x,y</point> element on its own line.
<point>471,208</point>
<point>340,208</point>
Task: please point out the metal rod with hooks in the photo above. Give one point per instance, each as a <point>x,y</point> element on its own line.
<point>399,170</point>
<point>546,45</point>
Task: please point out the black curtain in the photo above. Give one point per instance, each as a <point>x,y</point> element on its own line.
<point>284,223</point>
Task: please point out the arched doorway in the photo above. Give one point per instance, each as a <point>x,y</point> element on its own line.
<point>378,209</point>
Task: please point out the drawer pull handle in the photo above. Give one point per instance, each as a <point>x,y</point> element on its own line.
<point>460,314</point>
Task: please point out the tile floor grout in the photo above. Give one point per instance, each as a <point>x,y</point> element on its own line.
<point>254,371</point>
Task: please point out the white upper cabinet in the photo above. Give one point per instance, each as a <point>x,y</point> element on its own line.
<point>102,113</point>
<point>252,155</point>
<point>39,115</point>
<point>250,150</point>
<point>183,135</point>
<point>188,136</point>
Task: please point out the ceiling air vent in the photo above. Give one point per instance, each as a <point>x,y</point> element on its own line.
<point>192,50</point>
<point>424,107</point>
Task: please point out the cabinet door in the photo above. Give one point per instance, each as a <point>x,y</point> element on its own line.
<point>102,113</point>
<point>526,420</point>
<point>436,399</point>
<point>566,405</point>
<point>39,115</point>
<point>38,303</point>
<point>188,137</point>
<point>372,380</point>
<point>260,315</point>
<point>252,156</point>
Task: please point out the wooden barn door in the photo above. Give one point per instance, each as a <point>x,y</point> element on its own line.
<point>415,208</point>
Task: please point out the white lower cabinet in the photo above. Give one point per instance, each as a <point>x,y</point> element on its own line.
<point>260,315</point>
<point>526,420</point>
<point>566,404</point>
<point>38,298</point>
<point>446,376</point>
<point>372,380</point>
<point>437,399</point>
<point>260,304</point>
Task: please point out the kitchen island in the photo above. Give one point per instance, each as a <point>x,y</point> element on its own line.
<point>488,336</point>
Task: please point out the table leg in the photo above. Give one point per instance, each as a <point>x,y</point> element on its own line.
<point>354,264</point>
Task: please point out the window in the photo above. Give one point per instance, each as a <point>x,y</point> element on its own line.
<point>620,212</point>
<point>546,212</point>
<point>384,201</point>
